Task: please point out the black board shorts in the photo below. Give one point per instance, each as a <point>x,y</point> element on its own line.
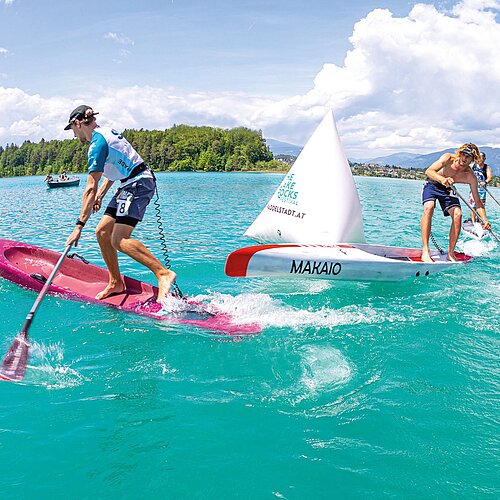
<point>129,203</point>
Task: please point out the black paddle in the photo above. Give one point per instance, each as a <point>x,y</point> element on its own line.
<point>16,359</point>
<point>455,192</point>
<point>492,197</point>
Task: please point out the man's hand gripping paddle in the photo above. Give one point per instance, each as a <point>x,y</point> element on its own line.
<point>456,193</point>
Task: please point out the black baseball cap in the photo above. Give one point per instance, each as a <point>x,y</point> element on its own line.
<point>468,151</point>
<point>80,113</point>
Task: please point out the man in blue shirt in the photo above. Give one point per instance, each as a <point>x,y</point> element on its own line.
<point>113,158</point>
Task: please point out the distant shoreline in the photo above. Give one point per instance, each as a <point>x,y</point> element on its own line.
<point>357,170</point>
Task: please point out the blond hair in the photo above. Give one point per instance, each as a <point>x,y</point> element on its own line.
<point>470,147</point>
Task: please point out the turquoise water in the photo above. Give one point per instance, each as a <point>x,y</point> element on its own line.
<point>352,389</point>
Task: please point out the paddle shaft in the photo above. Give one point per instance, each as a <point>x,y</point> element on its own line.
<point>43,291</point>
<point>15,361</point>
<point>492,197</point>
<point>455,191</point>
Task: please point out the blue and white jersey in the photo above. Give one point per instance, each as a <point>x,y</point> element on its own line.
<point>110,153</point>
<point>481,177</point>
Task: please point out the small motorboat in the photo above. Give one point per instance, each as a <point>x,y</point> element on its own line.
<point>73,180</point>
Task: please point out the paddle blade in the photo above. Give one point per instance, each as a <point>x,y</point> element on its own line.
<point>16,359</point>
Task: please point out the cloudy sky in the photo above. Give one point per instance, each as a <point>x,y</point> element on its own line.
<point>399,75</point>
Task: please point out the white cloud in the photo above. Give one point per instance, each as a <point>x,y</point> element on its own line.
<point>119,38</point>
<point>7,2</point>
<point>24,116</point>
<point>122,40</point>
<point>3,51</point>
<point>418,83</point>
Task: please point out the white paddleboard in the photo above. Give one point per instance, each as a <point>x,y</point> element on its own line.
<point>474,230</point>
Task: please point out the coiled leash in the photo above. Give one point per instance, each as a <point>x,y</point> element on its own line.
<point>440,250</point>
<point>163,240</point>
<point>78,256</point>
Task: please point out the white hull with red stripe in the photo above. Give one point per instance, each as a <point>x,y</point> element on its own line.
<point>314,210</point>
<point>359,262</point>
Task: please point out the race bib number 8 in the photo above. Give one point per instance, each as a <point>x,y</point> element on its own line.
<point>123,202</point>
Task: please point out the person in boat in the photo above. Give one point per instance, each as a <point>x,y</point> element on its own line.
<point>441,176</point>
<point>63,176</point>
<point>112,158</point>
<point>48,178</point>
<point>484,175</point>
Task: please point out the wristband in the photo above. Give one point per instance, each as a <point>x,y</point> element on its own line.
<point>80,223</point>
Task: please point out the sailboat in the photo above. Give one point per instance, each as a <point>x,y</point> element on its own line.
<point>312,227</point>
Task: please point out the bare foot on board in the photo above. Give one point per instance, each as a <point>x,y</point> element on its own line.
<point>164,284</point>
<point>111,289</point>
<point>452,258</point>
<point>426,257</point>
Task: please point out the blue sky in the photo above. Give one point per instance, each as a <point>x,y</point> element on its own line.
<point>273,65</point>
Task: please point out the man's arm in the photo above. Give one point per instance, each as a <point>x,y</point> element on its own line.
<point>489,174</point>
<point>103,189</point>
<point>88,200</point>
<point>472,180</point>
<point>433,171</point>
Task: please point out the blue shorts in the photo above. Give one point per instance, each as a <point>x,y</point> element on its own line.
<point>433,192</point>
<point>129,204</point>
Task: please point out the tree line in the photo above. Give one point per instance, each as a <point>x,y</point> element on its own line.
<point>180,148</point>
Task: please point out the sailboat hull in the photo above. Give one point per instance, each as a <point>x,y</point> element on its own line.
<point>359,262</point>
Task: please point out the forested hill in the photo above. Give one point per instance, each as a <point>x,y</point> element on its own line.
<point>180,148</point>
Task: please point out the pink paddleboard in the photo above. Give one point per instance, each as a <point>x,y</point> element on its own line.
<point>28,266</point>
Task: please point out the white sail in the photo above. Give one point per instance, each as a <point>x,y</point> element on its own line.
<point>317,201</point>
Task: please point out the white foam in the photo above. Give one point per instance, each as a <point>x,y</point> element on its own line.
<point>270,312</point>
<point>476,248</point>
<point>171,304</point>
<point>52,373</point>
<point>323,369</point>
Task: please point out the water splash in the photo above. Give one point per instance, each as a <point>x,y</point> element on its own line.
<point>172,305</point>
<point>476,248</point>
<point>49,369</point>
<point>271,312</point>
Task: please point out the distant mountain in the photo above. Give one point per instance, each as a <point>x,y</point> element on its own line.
<point>411,160</point>
<point>395,157</point>
<point>283,148</point>
<point>405,160</point>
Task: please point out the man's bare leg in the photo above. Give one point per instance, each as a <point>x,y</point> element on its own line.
<point>122,241</point>
<point>104,231</point>
<point>425,228</point>
<point>456,223</point>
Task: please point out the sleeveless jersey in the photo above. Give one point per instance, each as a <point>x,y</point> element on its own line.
<point>481,177</point>
<point>110,153</point>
